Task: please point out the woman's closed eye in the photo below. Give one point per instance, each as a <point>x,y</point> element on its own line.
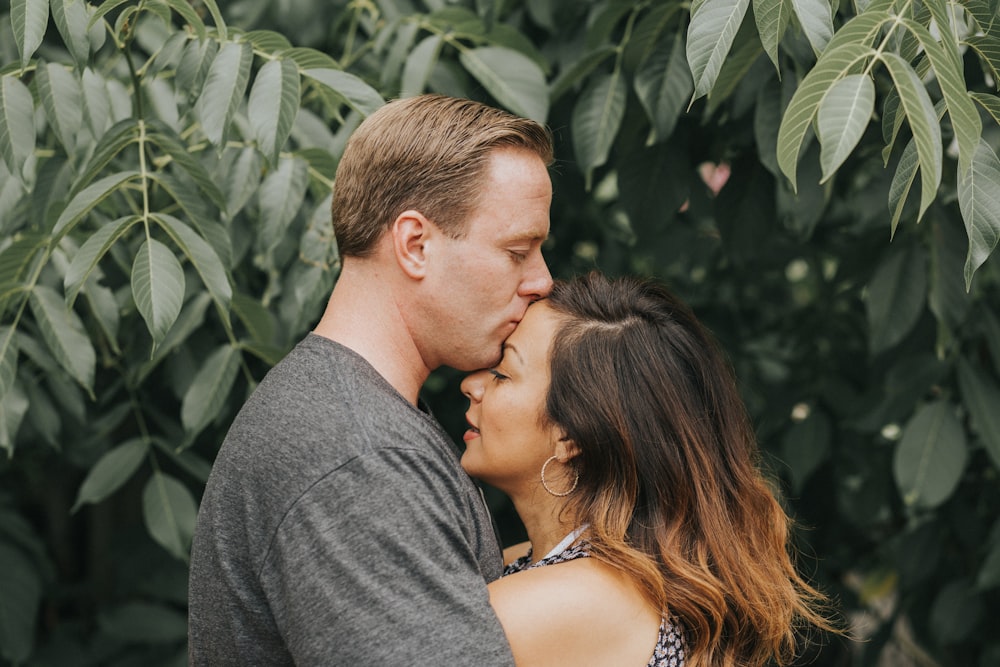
<point>497,375</point>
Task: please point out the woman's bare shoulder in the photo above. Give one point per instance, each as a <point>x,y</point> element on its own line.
<point>577,608</point>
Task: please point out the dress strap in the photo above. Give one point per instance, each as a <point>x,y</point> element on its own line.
<point>567,541</point>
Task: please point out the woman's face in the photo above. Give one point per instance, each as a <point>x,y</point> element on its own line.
<point>508,441</point>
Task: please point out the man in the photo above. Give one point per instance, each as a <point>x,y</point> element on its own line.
<point>337,527</point>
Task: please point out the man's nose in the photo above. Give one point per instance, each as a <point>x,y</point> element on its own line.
<point>537,282</point>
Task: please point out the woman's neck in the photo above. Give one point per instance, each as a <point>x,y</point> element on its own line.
<point>545,522</point>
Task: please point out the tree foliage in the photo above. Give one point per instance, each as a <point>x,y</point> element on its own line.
<point>819,180</point>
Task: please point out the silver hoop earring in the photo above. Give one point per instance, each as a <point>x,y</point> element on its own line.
<point>545,485</point>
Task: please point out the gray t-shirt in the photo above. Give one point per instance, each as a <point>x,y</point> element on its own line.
<point>338,528</point>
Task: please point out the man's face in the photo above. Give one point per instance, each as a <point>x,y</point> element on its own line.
<point>483,282</point>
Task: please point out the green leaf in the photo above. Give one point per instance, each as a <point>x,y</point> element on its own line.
<point>111,471</point>
<point>274,101</point>
<point>989,572</point>
<point>190,16</point>
<point>580,69</point>
<point>713,26</point>
<point>191,318</point>
<point>356,93</point>
<point>90,253</point>
<point>816,19</point>
<point>209,389</point>
<point>280,197</point>
<point>223,91</point>
<point>157,287</point>
<point>96,103</point>
<point>17,125</point>
<point>923,122</point>
<point>170,512</point>
<point>62,99</point>
<point>896,296</point>
<point>979,201</point>
<point>989,102</point>
<point>947,297</point>
<point>418,66</point>
<point>257,319</point>
<point>902,182</point>
<point>87,199</point>
<point>8,359</point>
<point>981,396</point>
<point>242,180</point>
<point>196,61</point>
<point>106,8</point>
<point>13,407</point>
<point>772,18</point>
<point>766,120</point>
<point>805,446</point>
<point>511,78</point>
<point>743,54</point>
<point>646,34</point>
<point>29,19</point>
<point>836,63</point>
<point>220,24</point>
<point>597,116</point>
<point>988,48</point>
<point>662,85</point>
<point>112,143</point>
<point>165,138</point>
<point>948,70</point>
<point>143,623</point>
<point>202,257</point>
<point>930,457</point>
<point>843,118</point>
<point>267,41</point>
<point>64,335</point>
<point>19,604</point>
<point>73,22</point>
<point>307,58</point>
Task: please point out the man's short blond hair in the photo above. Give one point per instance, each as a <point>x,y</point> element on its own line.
<point>426,153</point>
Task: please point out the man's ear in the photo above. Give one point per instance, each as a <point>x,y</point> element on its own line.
<point>410,232</point>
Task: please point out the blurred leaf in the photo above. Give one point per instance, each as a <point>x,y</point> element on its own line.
<point>17,126</point>
<point>663,84</point>
<point>805,446</point>
<point>579,70</point>
<point>110,472</point>
<point>597,116</point>
<point>766,120</point>
<point>418,66</point>
<point>64,335</point>
<point>947,297</point>
<point>95,102</point>
<point>168,140</point>
<point>170,512</point>
<point>772,18</point>
<point>512,78</point>
<point>196,61</point>
<point>902,182</point>
<point>710,34</point>
<point>274,101</point>
<point>979,201</point>
<point>90,253</point>
<point>143,622</point>
<point>29,19</point>
<point>157,287</point>
<point>988,49</point>
<point>356,93</point>
<point>989,572</point>
<point>989,102</point>
<point>922,118</point>
<point>13,407</point>
<point>957,610</point>
<point>190,16</point>
<point>930,458</point>
<point>210,388</point>
<point>224,88</point>
<point>816,19</point>
<point>646,33</point>
<point>191,318</point>
<point>843,117</point>
<point>242,179</point>
<point>896,297</point>
<point>267,41</point>
<point>110,145</point>
<point>981,395</point>
<point>22,595</point>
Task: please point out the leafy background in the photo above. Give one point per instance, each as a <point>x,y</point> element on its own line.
<point>819,181</point>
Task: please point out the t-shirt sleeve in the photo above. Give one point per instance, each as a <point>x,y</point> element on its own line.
<point>375,563</point>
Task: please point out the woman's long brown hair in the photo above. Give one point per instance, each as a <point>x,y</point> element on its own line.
<point>670,478</point>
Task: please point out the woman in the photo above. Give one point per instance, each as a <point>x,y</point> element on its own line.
<point>616,428</point>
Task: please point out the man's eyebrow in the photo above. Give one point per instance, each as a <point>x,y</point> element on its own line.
<point>508,346</point>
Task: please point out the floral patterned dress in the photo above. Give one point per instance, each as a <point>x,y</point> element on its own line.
<point>669,651</point>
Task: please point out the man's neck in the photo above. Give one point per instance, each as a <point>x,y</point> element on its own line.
<point>366,320</point>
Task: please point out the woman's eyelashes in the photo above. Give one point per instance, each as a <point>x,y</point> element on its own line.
<point>497,375</point>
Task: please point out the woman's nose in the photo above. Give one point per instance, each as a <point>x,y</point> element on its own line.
<point>472,386</point>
